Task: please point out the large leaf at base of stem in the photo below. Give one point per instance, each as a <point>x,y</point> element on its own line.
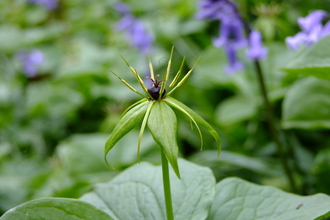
<point>200,121</point>
<point>126,124</point>
<point>163,126</point>
<point>240,200</point>
<point>55,209</point>
<point>307,104</point>
<point>137,193</point>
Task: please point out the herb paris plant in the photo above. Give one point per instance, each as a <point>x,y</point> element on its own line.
<point>155,111</point>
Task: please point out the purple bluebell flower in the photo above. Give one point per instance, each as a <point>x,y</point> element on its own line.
<point>232,32</point>
<point>30,61</point>
<point>312,30</point>
<point>314,35</point>
<point>295,41</point>
<point>122,8</point>
<point>315,18</point>
<point>48,4</point>
<point>255,50</point>
<point>216,10</point>
<point>234,65</point>
<point>134,29</point>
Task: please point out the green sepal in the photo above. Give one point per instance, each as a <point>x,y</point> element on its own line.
<point>193,115</point>
<point>163,126</point>
<point>125,125</point>
<point>144,123</point>
<point>192,120</point>
<point>131,106</point>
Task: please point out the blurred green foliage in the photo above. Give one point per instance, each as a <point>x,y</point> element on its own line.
<point>53,127</point>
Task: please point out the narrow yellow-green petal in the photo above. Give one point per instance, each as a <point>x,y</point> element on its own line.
<point>151,68</point>
<point>184,78</point>
<point>128,85</point>
<point>178,74</point>
<point>167,74</point>
<point>136,76</point>
<point>138,79</point>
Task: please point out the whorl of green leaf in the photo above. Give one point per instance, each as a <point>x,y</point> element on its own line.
<point>126,124</point>
<point>194,116</point>
<point>163,126</point>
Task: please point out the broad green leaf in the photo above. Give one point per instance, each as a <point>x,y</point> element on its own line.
<point>320,169</point>
<point>180,106</point>
<point>86,160</point>
<point>126,124</point>
<point>307,104</point>
<point>137,193</point>
<point>240,200</point>
<point>55,209</point>
<point>236,109</point>
<point>55,100</point>
<point>163,126</point>
<point>314,61</point>
<point>254,164</point>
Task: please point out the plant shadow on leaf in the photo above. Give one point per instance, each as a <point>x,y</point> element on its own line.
<point>137,193</point>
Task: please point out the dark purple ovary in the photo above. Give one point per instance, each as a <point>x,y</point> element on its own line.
<point>154,92</point>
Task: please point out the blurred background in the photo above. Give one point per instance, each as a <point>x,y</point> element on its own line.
<point>59,101</point>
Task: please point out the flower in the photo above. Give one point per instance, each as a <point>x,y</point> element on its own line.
<point>255,50</point>
<point>134,29</point>
<point>231,32</point>
<point>307,23</point>
<point>122,8</point>
<point>295,41</point>
<point>234,64</point>
<point>312,30</point>
<point>30,61</point>
<point>155,112</point>
<point>314,35</point>
<point>217,10</point>
<point>48,4</point>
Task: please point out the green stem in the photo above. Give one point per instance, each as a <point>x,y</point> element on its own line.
<point>167,188</point>
<point>272,127</point>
